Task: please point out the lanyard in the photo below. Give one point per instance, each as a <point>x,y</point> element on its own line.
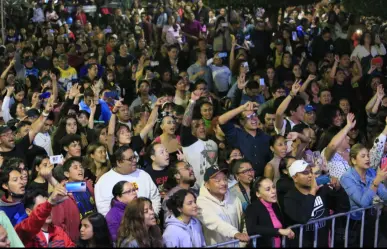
<point>243,190</point>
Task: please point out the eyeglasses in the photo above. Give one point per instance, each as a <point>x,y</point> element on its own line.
<point>246,171</point>
<point>130,191</point>
<point>132,158</point>
<point>252,115</point>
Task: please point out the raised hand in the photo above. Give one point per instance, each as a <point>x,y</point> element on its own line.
<point>351,122</point>
<point>242,81</point>
<point>160,101</point>
<point>337,58</point>
<point>74,91</point>
<point>311,77</point>
<point>93,107</point>
<point>195,95</point>
<point>380,91</point>
<point>296,87</point>
<point>10,90</point>
<point>53,77</point>
<point>59,194</point>
<point>180,156</point>
<point>292,136</point>
<point>50,105</point>
<point>250,106</point>
<point>117,105</point>
<point>46,172</point>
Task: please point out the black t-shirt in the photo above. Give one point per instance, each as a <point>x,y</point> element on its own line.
<point>36,185</point>
<point>20,149</point>
<point>159,177</point>
<point>34,151</point>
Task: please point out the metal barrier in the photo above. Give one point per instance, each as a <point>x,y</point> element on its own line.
<point>378,207</point>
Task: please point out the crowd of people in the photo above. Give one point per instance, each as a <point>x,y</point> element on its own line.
<point>173,124</point>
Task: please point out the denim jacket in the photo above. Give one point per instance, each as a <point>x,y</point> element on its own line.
<point>360,194</point>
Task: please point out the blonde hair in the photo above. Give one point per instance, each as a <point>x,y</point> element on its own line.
<point>354,151</point>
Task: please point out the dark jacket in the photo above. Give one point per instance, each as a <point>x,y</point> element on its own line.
<point>258,221</point>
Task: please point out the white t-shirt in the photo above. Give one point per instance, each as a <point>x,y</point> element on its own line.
<point>44,140</point>
<point>283,129</point>
<point>146,188</point>
<point>171,34</point>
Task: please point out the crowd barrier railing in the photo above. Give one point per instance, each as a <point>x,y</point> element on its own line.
<point>378,208</point>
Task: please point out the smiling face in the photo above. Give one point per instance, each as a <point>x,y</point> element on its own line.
<point>99,155</point>
<point>218,184</point>
<point>250,120</point>
<point>7,139</point>
<point>190,208</point>
<point>207,111</point>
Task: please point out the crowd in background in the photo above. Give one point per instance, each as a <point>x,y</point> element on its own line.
<point>175,124</point>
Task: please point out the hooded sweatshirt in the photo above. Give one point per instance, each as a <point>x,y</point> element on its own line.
<point>178,234</point>
<point>14,210</point>
<point>114,217</point>
<point>221,220</point>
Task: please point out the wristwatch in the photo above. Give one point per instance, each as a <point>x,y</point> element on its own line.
<point>373,183</point>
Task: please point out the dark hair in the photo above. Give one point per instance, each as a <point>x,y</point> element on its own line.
<point>12,110</point>
<point>275,88</point>
<point>67,165</point>
<point>117,190</point>
<point>29,198</point>
<point>256,185</point>
<point>167,91</point>
<point>267,110</point>
<point>327,136</point>
<point>37,161</point>
<point>88,92</point>
<point>4,177</point>
<point>237,164</point>
<point>199,82</point>
<point>61,132</point>
<point>119,153</point>
<point>273,139</point>
<point>176,201</point>
<point>101,235</point>
<point>151,150</point>
<point>325,115</point>
<point>283,163</point>
<point>172,171</point>
<point>362,38</point>
<point>294,104</point>
<point>252,85</point>
<point>67,140</point>
<point>179,109</point>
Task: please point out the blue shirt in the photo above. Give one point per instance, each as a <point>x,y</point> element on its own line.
<point>255,149</point>
<point>360,194</point>
<point>105,111</point>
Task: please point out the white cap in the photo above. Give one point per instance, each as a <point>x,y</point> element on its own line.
<point>297,167</point>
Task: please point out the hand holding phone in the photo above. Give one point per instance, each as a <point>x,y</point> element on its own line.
<point>294,36</point>
<point>75,187</point>
<point>262,81</point>
<point>383,165</point>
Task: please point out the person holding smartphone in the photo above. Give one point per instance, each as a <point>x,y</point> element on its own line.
<point>69,213</point>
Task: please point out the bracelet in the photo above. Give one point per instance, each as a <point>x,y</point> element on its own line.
<point>291,95</point>
<point>45,114</point>
<point>192,101</point>
<point>114,112</point>
<point>373,183</point>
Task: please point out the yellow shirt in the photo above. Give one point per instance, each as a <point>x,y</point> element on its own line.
<point>66,77</point>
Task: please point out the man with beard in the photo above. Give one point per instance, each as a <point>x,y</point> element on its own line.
<point>37,230</point>
<point>267,118</point>
<point>13,185</point>
<point>180,176</point>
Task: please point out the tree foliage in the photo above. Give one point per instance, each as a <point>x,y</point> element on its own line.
<point>366,8</point>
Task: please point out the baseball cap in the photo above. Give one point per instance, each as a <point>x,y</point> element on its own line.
<point>309,108</point>
<point>212,171</point>
<point>377,60</point>
<point>33,113</point>
<point>279,42</point>
<point>297,167</point>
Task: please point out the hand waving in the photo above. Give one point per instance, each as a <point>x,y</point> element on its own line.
<point>351,122</point>
<point>296,87</point>
<point>195,95</point>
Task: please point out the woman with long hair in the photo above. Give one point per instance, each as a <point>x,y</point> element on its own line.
<point>171,33</point>
<point>95,162</point>
<point>94,232</point>
<point>67,126</point>
<point>40,163</point>
<point>168,137</point>
<point>369,46</point>
<point>182,229</point>
<point>123,193</point>
<point>139,226</point>
<point>279,149</point>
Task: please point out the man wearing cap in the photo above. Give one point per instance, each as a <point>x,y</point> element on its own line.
<point>310,116</point>
<point>221,74</point>
<point>8,147</point>
<point>307,202</point>
<point>220,212</point>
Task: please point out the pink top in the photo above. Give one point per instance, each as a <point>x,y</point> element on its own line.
<point>276,223</point>
<point>158,139</point>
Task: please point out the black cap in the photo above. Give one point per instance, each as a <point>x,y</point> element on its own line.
<point>33,113</point>
<point>5,128</point>
<point>212,171</point>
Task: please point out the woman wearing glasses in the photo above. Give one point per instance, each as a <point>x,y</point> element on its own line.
<point>244,174</point>
<point>123,193</point>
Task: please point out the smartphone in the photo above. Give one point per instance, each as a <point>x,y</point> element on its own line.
<point>75,187</point>
<point>225,24</point>
<point>383,164</point>
<point>294,35</point>
<point>222,55</point>
<point>45,95</point>
<point>112,95</point>
<point>56,159</point>
<point>322,180</point>
<point>262,81</point>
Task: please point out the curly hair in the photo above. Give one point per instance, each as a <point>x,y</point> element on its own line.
<point>133,227</point>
